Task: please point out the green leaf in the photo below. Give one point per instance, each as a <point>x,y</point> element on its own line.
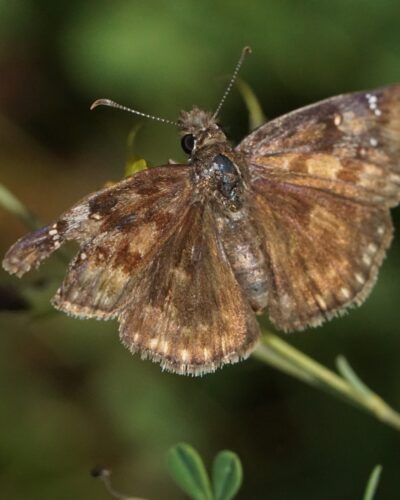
<point>11,203</point>
<point>227,475</point>
<point>135,165</point>
<point>187,469</point>
<point>256,114</point>
<point>134,162</point>
<point>373,482</point>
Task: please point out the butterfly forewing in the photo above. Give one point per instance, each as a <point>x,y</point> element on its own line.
<point>101,277</point>
<point>118,229</point>
<point>348,145</point>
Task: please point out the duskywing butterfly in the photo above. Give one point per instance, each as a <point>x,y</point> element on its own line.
<point>294,220</point>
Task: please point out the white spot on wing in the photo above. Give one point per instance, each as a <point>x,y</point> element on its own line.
<point>345,293</point>
<point>153,343</point>
<point>366,259</point>
<point>373,104</point>
<point>184,355</point>
<point>359,278</point>
<point>394,178</point>
<point>321,302</point>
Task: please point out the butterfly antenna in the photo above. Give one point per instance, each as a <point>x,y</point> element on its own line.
<point>245,52</point>
<point>112,104</point>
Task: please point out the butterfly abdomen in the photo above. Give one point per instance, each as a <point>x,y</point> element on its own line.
<point>242,246</point>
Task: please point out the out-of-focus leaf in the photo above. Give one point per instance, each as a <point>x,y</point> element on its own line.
<point>256,114</point>
<point>134,163</point>
<point>226,475</point>
<point>373,482</point>
<point>13,205</point>
<point>134,166</point>
<point>187,469</point>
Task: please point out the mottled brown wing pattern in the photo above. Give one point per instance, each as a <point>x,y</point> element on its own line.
<point>119,228</point>
<point>187,309</point>
<point>348,145</point>
<point>295,220</point>
<point>323,252</point>
<point>324,177</point>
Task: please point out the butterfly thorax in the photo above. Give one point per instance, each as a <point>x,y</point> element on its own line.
<point>218,172</point>
<point>221,180</point>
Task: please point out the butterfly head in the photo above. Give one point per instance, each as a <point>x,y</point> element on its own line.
<point>199,129</point>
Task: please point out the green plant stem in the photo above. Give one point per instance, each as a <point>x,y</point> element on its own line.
<point>373,483</point>
<point>12,204</point>
<point>256,114</point>
<point>279,354</point>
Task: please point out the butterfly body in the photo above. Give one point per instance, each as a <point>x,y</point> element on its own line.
<point>294,220</point>
<point>221,175</point>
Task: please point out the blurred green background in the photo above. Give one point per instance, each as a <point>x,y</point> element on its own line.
<point>71,395</point>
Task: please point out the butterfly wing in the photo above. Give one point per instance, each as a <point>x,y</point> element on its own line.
<point>151,256</point>
<point>348,145</point>
<point>323,252</point>
<point>187,310</point>
<point>323,179</point>
<point>119,229</point>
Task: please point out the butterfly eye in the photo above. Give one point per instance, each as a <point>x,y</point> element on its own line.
<point>187,143</point>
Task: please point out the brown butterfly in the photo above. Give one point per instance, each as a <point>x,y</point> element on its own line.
<point>294,220</point>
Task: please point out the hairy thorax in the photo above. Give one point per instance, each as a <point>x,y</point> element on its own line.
<point>220,175</point>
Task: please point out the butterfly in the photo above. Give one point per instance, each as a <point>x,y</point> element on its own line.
<point>294,220</point>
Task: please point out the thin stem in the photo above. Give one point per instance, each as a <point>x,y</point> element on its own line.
<point>279,354</point>
<point>12,204</point>
<point>256,113</point>
<point>119,496</point>
<point>373,483</point>
<point>104,475</point>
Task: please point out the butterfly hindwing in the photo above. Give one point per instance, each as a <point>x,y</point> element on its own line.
<point>323,252</point>
<point>187,310</point>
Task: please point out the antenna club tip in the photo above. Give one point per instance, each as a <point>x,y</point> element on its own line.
<point>100,102</point>
<point>247,50</point>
